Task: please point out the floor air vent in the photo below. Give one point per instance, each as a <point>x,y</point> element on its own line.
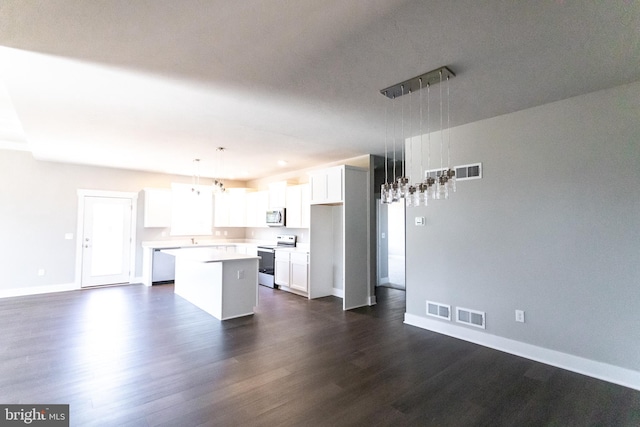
<point>470,317</point>
<point>436,309</point>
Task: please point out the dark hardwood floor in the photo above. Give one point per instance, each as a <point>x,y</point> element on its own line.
<point>138,356</point>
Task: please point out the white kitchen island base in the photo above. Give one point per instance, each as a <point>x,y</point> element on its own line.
<point>223,284</point>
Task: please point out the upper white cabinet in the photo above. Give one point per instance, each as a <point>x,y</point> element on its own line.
<point>277,195</point>
<point>326,185</point>
<point>230,208</point>
<point>298,197</point>
<point>191,211</point>
<point>221,210</point>
<point>157,207</point>
<point>256,207</point>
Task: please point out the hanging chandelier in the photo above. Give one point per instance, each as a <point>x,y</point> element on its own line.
<point>438,184</point>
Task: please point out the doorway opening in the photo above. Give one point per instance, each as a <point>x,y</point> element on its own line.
<point>106,237</point>
<point>391,245</point>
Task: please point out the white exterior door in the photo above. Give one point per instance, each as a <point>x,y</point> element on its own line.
<point>107,224</point>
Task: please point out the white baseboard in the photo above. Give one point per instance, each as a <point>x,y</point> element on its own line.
<point>603,371</point>
<point>340,294</point>
<point>34,290</point>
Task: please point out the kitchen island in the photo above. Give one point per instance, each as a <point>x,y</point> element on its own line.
<point>223,284</point>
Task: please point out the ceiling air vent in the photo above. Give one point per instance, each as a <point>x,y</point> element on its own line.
<point>466,172</point>
<point>436,309</point>
<point>470,317</point>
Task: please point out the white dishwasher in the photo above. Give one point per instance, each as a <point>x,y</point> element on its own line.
<point>164,267</point>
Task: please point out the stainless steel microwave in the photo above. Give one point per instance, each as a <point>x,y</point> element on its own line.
<point>276,217</point>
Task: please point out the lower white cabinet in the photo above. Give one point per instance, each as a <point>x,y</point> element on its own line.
<point>299,278</point>
<point>282,269</point>
<point>292,270</point>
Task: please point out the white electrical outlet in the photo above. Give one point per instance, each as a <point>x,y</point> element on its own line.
<point>240,274</point>
<point>225,232</point>
<point>520,316</point>
<point>217,232</point>
<point>420,220</point>
<point>41,272</point>
<point>68,236</point>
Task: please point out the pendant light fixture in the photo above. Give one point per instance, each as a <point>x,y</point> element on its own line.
<point>218,185</point>
<point>195,177</point>
<point>428,185</point>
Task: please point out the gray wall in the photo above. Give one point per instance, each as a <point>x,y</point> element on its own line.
<point>553,228</point>
<point>40,204</point>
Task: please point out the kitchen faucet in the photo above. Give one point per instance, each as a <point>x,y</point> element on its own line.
<point>193,241</point>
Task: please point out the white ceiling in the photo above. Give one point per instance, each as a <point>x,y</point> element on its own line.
<point>152,85</point>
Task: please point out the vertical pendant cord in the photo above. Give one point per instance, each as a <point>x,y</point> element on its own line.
<point>448,128</point>
<point>421,137</point>
<point>394,138</point>
<point>386,139</point>
<point>402,142</point>
<point>429,126</point>
<point>410,151</point>
<point>441,128</point>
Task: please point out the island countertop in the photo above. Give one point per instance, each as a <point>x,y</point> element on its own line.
<point>223,284</point>
<point>204,254</point>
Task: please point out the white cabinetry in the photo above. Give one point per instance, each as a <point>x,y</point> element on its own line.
<point>292,271</point>
<point>277,194</point>
<point>257,205</point>
<point>230,208</point>
<point>157,207</point>
<point>339,247</point>
<point>326,185</point>
<point>191,212</point>
<point>298,197</point>
<point>282,269</point>
<point>299,271</point>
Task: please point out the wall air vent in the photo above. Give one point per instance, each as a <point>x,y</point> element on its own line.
<point>463,172</point>
<point>443,311</point>
<point>466,172</point>
<point>470,317</point>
